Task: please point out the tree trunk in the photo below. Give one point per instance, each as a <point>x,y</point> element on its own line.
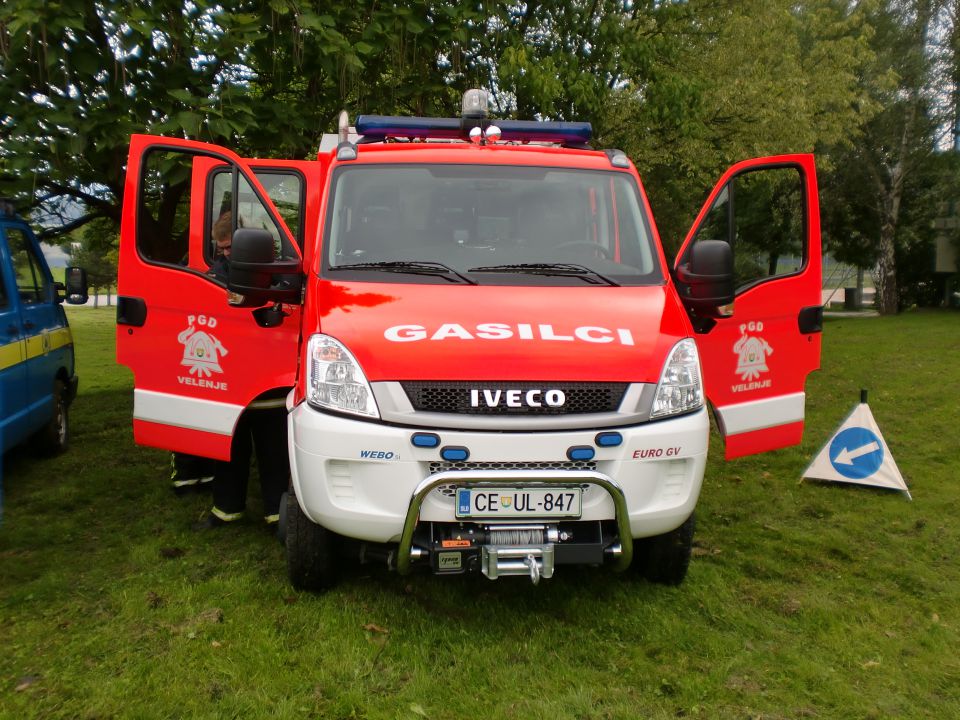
<point>886,276</point>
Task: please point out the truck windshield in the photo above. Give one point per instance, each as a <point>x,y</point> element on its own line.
<point>496,225</point>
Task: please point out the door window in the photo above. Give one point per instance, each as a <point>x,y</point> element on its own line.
<point>163,217</point>
<point>761,214</point>
<point>284,189</point>
<point>173,180</point>
<point>32,283</point>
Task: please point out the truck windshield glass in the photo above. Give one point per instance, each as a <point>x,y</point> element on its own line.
<point>491,223</point>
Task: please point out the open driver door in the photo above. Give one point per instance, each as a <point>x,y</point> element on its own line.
<point>758,343</point>
<point>198,361</point>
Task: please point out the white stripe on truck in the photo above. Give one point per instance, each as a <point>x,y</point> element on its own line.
<point>185,412</point>
<point>761,414</point>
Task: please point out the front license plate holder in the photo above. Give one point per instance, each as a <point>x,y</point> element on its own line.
<point>519,502</point>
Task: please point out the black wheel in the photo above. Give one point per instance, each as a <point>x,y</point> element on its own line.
<point>282,520</point>
<point>664,559</point>
<point>311,558</point>
<point>54,437</point>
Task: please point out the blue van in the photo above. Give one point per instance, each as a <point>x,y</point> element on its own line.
<point>37,378</point>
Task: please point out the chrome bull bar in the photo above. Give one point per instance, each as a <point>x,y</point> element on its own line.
<point>516,479</point>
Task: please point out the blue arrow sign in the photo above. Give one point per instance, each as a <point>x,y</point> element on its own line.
<point>856,453</point>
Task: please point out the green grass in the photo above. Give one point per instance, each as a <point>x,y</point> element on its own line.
<point>809,600</point>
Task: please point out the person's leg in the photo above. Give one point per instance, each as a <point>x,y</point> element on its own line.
<point>231,478</point>
<point>269,429</point>
<point>189,473</point>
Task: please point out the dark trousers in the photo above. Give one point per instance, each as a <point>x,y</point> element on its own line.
<point>266,432</point>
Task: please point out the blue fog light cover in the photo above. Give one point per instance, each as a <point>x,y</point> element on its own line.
<point>425,440</point>
<point>608,439</point>
<point>580,452</point>
<point>453,453</point>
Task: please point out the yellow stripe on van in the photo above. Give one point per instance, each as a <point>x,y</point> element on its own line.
<point>36,345</point>
<point>59,338</point>
<point>10,354</point>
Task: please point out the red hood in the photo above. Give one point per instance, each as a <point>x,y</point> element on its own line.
<point>442,332</point>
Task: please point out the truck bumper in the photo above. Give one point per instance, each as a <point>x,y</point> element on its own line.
<point>362,479</point>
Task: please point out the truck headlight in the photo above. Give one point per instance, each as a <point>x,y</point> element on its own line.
<point>335,380</point>
<point>680,389</point>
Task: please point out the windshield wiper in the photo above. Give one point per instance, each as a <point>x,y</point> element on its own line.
<point>557,269</point>
<point>411,267</point>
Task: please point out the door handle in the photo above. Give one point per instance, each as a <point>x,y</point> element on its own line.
<point>131,311</point>
<point>28,325</point>
<point>810,319</point>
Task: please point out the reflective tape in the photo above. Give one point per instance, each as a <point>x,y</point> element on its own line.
<point>225,516</point>
<point>762,414</point>
<point>185,412</point>
<point>34,346</point>
<point>11,354</point>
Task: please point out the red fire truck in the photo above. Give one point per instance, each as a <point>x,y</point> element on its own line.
<point>491,367</point>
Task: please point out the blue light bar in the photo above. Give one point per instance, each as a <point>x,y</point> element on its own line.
<point>378,127</point>
<point>382,126</point>
<point>571,133</point>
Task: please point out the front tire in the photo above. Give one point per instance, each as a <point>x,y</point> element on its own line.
<point>311,558</point>
<point>54,437</point>
<point>664,559</point>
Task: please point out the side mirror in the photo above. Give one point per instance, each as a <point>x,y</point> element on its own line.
<point>255,273</point>
<point>76,286</point>
<point>705,280</point>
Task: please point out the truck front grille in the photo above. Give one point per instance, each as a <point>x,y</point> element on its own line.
<point>455,397</point>
<point>439,467</point>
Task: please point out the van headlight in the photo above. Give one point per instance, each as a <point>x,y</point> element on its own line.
<point>680,389</point>
<point>335,380</point>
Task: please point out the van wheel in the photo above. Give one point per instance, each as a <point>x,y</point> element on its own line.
<point>664,559</point>
<point>311,560</point>
<point>54,437</point>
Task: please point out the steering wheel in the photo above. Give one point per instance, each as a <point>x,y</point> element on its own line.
<point>599,249</point>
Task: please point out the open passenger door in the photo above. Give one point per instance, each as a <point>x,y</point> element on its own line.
<point>757,351</point>
<point>198,360</point>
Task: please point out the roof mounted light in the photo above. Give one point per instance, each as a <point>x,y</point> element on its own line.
<point>492,134</point>
<point>343,126</point>
<point>476,104</point>
<point>618,158</point>
<point>476,135</point>
<point>346,151</point>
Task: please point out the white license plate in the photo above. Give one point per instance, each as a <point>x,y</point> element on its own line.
<point>519,502</point>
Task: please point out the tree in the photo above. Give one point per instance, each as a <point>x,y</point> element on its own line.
<point>78,77</point>
<point>734,80</point>
<point>885,186</point>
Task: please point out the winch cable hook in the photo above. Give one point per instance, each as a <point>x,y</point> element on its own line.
<point>531,562</point>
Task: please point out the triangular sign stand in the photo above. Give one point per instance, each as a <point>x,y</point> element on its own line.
<point>857,453</point>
